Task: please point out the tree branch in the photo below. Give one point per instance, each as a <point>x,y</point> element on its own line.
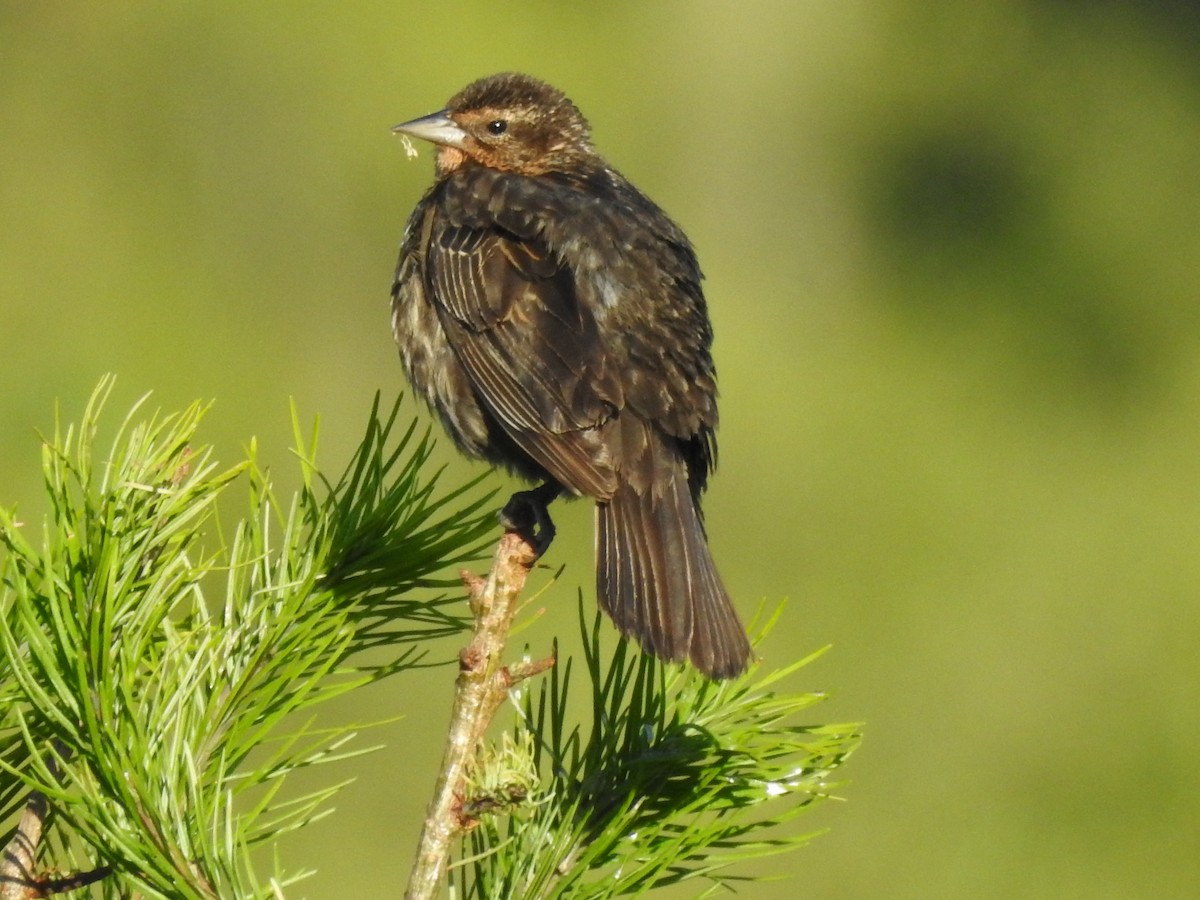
<point>483,683</point>
<point>19,878</point>
<point>19,875</point>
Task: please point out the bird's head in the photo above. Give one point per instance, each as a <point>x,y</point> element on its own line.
<point>510,122</point>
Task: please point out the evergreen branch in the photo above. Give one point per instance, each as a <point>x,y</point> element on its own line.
<point>151,677</point>
<point>158,685</point>
<point>678,778</point>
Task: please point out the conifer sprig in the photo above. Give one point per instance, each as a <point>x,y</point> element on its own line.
<point>675,777</point>
<point>158,681</point>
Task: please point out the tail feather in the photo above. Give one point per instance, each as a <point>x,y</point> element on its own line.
<point>657,580</point>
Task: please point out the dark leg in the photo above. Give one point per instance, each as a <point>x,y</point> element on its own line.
<point>527,513</point>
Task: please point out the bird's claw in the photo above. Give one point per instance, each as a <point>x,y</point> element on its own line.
<point>527,513</point>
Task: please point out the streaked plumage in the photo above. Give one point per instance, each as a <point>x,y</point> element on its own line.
<point>552,316</point>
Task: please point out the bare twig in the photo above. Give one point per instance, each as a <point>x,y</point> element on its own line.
<point>18,867</point>
<point>20,878</point>
<point>483,683</point>
<point>19,875</point>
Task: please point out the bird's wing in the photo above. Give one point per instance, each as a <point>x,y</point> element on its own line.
<point>532,351</point>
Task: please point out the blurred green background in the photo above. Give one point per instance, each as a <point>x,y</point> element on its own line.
<point>952,251</point>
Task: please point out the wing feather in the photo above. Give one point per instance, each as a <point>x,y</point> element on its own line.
<point>532,352</point>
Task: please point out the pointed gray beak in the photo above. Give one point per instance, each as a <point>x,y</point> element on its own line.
<point>437,128</point>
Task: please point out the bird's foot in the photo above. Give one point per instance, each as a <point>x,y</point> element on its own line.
<point>528,514</point>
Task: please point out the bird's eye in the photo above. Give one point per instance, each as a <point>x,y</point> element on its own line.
<point>497,127</point>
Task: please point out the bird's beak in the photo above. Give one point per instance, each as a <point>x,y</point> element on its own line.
<point>437,128</point>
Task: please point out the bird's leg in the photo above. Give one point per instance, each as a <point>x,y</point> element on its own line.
<point>528,514</point>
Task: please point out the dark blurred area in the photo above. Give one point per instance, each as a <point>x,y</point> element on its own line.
<point>952,257</point>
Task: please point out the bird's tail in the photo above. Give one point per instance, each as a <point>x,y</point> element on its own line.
<point>656,578</point>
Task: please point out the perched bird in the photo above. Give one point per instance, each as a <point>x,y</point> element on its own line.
<point>551,315</point>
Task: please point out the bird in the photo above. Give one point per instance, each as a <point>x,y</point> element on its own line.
<point>551,316</point>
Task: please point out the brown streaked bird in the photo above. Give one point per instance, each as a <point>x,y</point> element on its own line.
<point>551,315</point>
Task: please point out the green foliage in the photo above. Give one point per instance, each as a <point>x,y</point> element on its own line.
<point>678,777</point>
<point>152,676</point>
<point>160,676</point>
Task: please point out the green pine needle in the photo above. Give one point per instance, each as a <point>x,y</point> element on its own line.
<point>153,673</point>
<point>677,778</point>
<point>161,677</point>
